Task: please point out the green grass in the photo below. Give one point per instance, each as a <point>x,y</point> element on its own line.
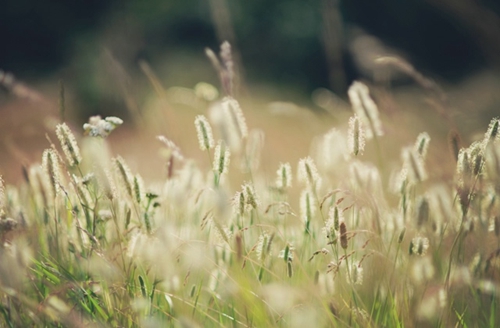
<point>373,240</point>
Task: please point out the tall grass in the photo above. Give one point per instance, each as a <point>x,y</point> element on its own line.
<point>84,241</point>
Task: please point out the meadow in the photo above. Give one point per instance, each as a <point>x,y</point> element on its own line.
<point>362,230</point>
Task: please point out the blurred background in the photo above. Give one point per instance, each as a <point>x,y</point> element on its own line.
<point>305,52</point>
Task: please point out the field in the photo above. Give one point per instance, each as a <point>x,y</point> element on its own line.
<point>361,215</point>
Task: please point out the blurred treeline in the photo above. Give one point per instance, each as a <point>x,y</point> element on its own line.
<point>293,46</point>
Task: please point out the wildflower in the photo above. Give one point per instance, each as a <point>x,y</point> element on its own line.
<point>97,127</point>
<point>68,144</point>
<point>365,108</point>
<point>284,176</point>
<point>308,172</point>
<point>204,130</point>
<point>356,136</point>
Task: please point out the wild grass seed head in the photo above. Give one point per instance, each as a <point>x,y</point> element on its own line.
<point>250,195</point>
<point>356,135</point>
<point>414,165</point>
<point>253,150</point>
<point>422,144</point>
<point>68,144</point>
<point>308,173</point>
<point>307,207</point>
<point>284,176</point>
<point>365,108</point>
<point>492,134</point>
<point>125,178</point>
<point>204,131</point>
<point>419,246</point>
<point>50,165</point>
<point>221,158</point>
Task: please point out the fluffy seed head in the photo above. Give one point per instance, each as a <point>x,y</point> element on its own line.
<point>356,136</point>
<point>414,165</point>
<point>364,106</point>
<point>235,114</point>
<point>250,196</point>
<point>419,245</point>
<point>204,130</point>
<point>221,158</point>
<point>308,172</point>
<point>492,133</point>
<point>124,176</point>
<point>307,206</point>
<point>50,165</point>
<point>68,144</point>
<point>284,176</point>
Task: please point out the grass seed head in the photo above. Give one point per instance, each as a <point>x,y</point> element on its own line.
<point>68,144</point>
<point>308,172</point>
<point>365,108</point>
<point>204,131</point>
<point>284,176</point>
<point>356,136</point>
<point>221,158</point>
<point>50,165</point>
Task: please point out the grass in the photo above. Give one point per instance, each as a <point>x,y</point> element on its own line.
<point>371,241</point>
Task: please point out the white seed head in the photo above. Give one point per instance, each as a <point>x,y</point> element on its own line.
<point>493,132</point>
<point>124,176</point>
<point>221,158</point>
<point>250,195</point>
<point>284,176</point>
<point>172,148</point>
<point>68,144</point>
<point>364,106</point>
<point>308,172</point>
<point>356,135</point>
<point>235,114</point>
<point>307,206</point>
<point>50,165</point>
<point>414,165</point>
<point>204,131</point>
<point>419,245</point>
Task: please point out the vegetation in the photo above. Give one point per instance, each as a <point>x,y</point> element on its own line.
<point>84,241</point>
